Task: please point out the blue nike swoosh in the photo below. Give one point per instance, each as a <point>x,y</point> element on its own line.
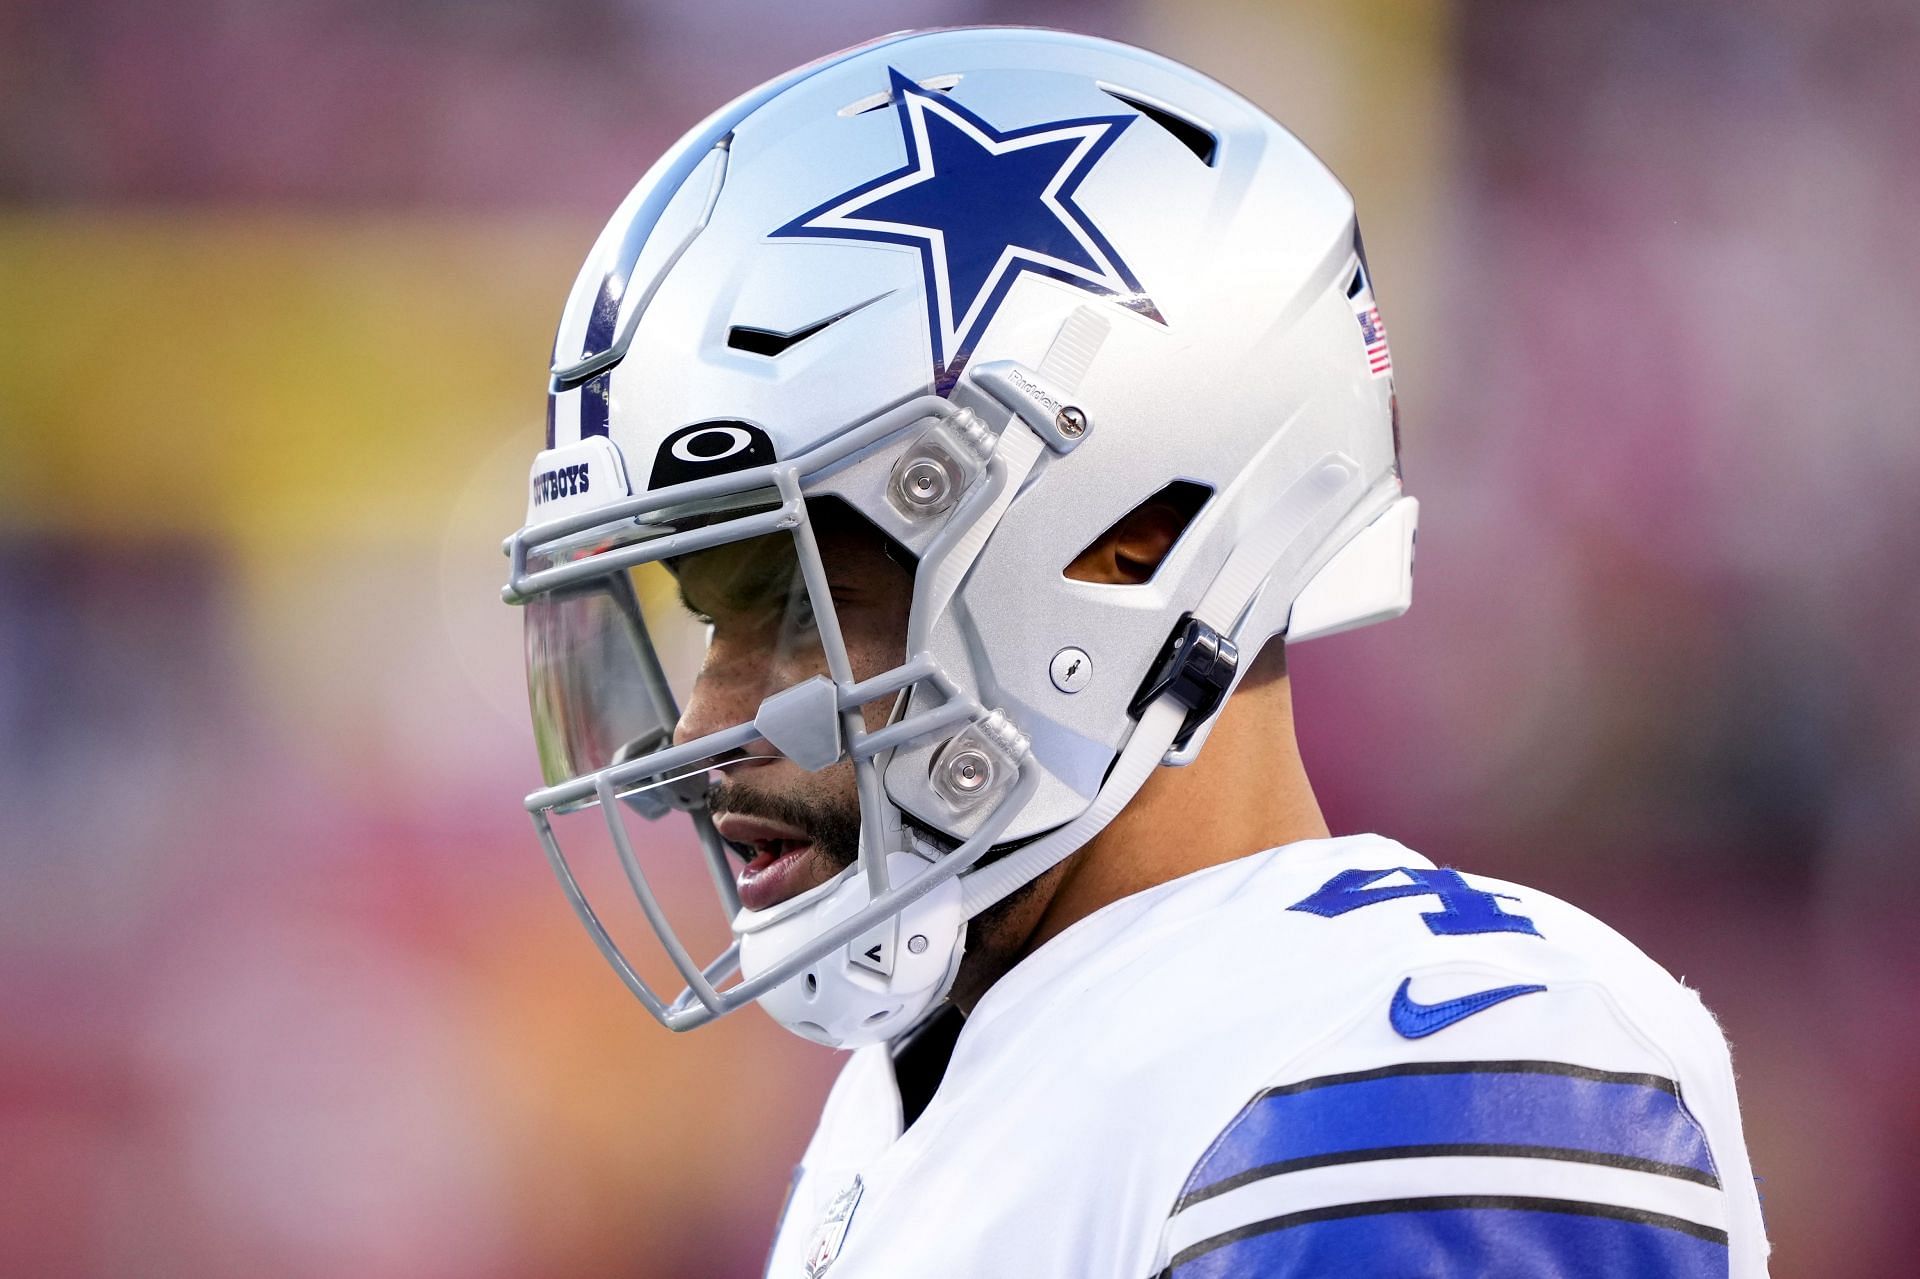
<point>1416,1020</point>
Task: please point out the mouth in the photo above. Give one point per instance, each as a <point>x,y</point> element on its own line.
<point>781,860</point>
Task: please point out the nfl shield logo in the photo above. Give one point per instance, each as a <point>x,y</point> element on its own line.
<point>832,1230</point>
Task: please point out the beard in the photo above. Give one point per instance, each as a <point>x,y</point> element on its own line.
<point>996,938</point>
<point>831,821</point>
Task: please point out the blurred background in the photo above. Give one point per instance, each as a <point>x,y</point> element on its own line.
<point>285,986</point>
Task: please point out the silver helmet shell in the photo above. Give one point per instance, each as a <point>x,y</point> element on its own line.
<point>994,289</point>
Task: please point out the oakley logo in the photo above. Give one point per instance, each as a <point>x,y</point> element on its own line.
<point>712,444</point>
<point>709,448</point>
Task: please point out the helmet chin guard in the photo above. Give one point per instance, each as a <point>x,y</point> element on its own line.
<point>877,985</point>
<point>801,307</point>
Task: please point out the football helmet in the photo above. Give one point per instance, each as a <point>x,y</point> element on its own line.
<point>989,291</point>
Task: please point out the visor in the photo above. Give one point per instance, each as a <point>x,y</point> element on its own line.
<point>612,661</point>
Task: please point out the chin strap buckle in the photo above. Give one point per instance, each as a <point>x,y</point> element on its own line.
<point>1195,669</point>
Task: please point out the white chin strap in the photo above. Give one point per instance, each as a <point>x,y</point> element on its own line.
<point>1152,737</point>
<point>1280,551</point>
<point>881,984</point>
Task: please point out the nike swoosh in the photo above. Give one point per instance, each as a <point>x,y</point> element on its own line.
<point>1416,1020</point>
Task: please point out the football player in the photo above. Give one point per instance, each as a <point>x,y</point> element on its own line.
<point>945,440</point>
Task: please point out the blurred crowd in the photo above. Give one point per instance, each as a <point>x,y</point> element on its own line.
<point>288,988</point>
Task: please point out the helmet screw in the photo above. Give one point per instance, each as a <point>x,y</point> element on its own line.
<point>1071,669</point>
<point>1070,422</point>
<point>924,484</point>
<point>917,944</point>
<point>968,771</point>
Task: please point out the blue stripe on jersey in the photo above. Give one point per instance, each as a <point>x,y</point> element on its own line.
<point>1462,1238</point>
<point>1529,1108</point>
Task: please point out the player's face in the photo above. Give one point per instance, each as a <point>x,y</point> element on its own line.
<point>792,829</point>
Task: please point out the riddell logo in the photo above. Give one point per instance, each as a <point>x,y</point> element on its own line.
<point>564,481</point>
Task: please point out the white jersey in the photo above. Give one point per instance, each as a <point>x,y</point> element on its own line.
<point>1330,1058</point>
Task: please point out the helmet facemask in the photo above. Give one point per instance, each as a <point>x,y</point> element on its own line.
<point>709,614</point>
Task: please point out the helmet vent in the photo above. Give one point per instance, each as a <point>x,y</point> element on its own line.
<point>1191,134</point>
<point>875,101</point>
<point>769,343</point>
<point>772,342</point>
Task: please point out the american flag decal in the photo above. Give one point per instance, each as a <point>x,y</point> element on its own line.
<point>1374,331</point>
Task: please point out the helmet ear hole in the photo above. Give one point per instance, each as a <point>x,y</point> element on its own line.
<point>1132,549</point>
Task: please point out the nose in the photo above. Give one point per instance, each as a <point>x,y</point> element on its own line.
<point>731,684</point>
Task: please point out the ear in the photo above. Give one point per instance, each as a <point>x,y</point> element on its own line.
<point>1128,553</point>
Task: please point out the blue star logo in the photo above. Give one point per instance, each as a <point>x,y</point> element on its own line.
<point>982,207</point>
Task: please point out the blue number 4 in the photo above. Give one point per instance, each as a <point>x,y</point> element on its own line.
<point>1463,908</point>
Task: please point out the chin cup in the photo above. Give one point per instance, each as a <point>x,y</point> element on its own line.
<point>877,985</point>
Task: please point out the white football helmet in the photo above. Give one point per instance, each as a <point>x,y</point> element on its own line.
<point>992,290</point>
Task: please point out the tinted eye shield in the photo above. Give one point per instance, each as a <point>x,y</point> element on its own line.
<point>813,722</point>
<point>574,571</point>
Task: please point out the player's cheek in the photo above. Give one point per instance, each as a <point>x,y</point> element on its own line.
<point>732,681</point>
<point>797,656</point>
<point>876,640</point>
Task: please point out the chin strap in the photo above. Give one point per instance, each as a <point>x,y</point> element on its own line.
<point>1151,738</point>
<point>1280,550</point>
